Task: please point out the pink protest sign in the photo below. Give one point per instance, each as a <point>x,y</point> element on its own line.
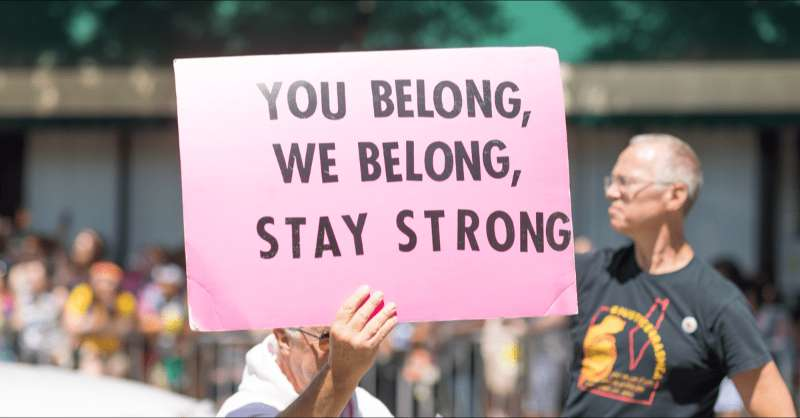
<point>437,176</point>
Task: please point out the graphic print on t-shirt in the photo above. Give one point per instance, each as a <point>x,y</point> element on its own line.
<point>611,371</point>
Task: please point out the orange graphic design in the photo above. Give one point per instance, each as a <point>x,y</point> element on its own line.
<point>600,350</point>
<point>601,372</point>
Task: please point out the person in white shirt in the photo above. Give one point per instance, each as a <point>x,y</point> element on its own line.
<point>312,372</point>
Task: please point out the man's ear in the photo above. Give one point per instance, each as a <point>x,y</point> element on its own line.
<point>283,339</point>
<point>678,196</point>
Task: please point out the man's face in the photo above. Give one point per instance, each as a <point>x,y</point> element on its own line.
<point>305,354</point>
<point>637,201</point>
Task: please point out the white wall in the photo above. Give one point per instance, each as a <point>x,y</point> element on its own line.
<point>155,200</point>
<point>75,170</point>
<point>72,170</point>
<point>724,222</point>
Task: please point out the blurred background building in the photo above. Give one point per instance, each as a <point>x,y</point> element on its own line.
<point>88,133</point>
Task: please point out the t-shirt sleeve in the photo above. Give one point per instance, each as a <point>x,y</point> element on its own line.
<point>737,341</point>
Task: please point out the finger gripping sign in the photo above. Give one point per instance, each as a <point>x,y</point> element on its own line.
<point>439,177</point>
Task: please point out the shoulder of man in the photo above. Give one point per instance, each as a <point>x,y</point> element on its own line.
<point>717,291</point>
<point>590,265</point>
<point>370,406</point>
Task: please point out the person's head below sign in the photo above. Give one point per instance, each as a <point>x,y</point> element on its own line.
<point>315,371</point>
<point>652,187</point>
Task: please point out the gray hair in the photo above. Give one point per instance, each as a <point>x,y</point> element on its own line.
<point>680,165</point>
<point>293,333</point>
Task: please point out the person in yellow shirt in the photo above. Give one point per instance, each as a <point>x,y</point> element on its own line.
<point>99,316</point>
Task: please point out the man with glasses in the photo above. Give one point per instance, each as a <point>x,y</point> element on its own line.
<point>658,329</point>
<point>315,371</point>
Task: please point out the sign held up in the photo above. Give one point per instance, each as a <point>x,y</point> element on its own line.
<point>437,176</point>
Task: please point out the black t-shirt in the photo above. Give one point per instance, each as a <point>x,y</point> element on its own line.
<point>656,345</point>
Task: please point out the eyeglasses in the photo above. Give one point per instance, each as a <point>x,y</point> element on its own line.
<point>625,183</point>
<point>323,339</point>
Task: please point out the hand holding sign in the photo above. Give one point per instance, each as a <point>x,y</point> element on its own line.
<point>360,326</point>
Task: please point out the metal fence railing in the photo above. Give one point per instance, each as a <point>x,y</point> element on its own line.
<point>213,366</point>
<point>210,366</point>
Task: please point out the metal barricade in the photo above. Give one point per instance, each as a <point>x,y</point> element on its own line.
<point>214,363</point>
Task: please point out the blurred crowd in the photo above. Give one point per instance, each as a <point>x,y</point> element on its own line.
<point>69,306</point>
<point>72,307</point>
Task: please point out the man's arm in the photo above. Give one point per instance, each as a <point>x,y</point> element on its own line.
<point>355,339</point>
<point>764,393</point>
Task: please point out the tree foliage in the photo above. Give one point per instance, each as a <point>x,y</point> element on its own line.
<point>628,30</point>
<point>116,32</point>
<point>124,32</point>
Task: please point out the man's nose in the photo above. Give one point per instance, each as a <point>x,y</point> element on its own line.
<point>613,192</point>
